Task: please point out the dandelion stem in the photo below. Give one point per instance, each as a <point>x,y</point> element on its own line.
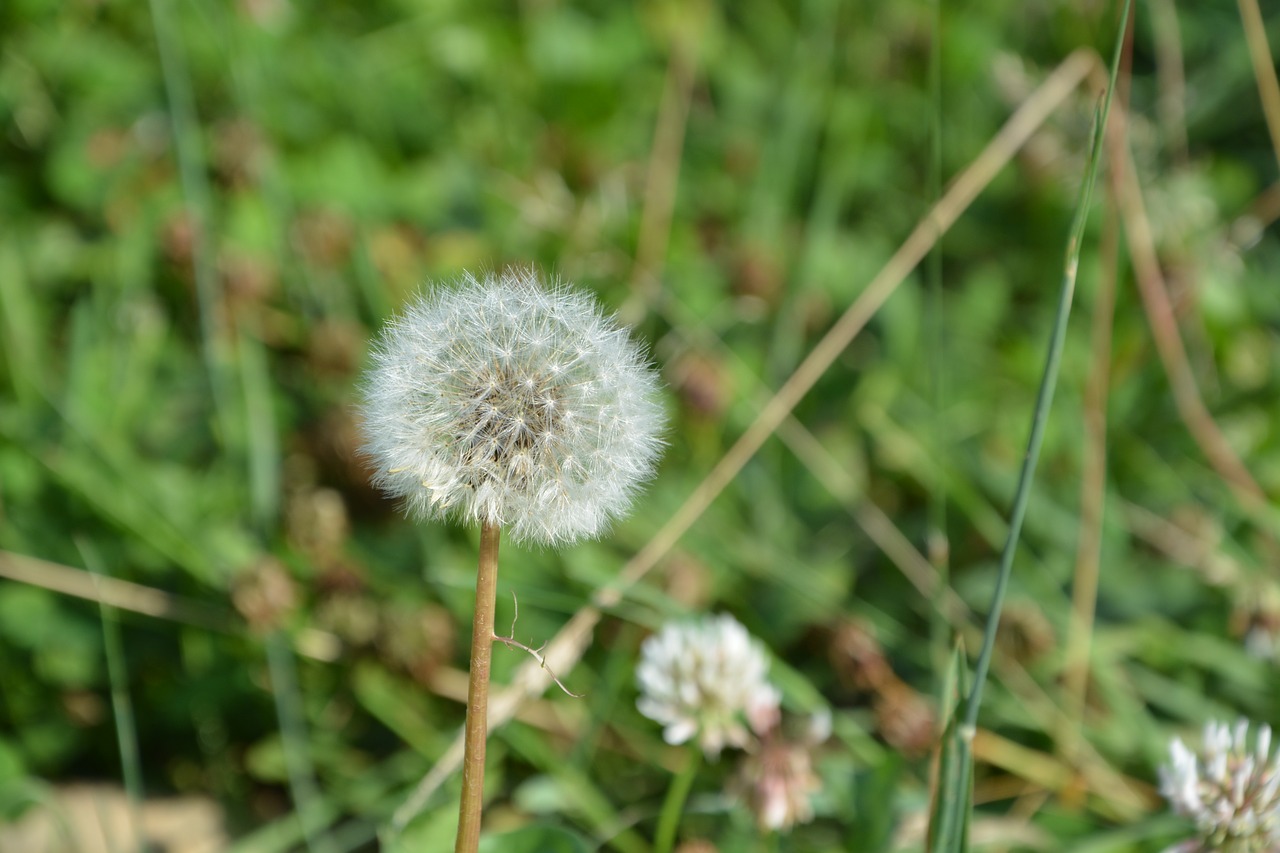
<point>478,692</point>
<point>673,806</point>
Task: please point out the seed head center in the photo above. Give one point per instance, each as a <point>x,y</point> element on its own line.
<point>513,415</point>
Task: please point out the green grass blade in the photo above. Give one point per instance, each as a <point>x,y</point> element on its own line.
<point>673,805</point>
<point>1048,382</point>
<point>196,192</point>
<point>121,704</point>
<point>260,423</point>
<point>21,341</point>
<point>293,733</point>
<point>936,544</point>
<point>953,788</point>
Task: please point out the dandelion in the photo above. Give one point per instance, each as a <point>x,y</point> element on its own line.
<point>1229,790</point>
<point>501,402</point>
<point>706,679</point>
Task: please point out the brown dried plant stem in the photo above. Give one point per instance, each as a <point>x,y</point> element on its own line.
<point>1264,69</point>
<point>1164,328</point>
<point>478,692</point>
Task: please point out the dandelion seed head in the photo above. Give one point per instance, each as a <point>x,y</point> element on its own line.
<point>1228,788</point>
<point>705,679</point>
<point>503,401</point>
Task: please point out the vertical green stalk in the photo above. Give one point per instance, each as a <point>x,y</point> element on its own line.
<point>952,796</point>
<point>195,189</point>
<point>937,546</point>
<point>477,728</point>
<point>222,358</point>
<point>121,704</point>
<point>293,734</point>
<point>664,838</point>
<point>1047,384</point>
<point>952,806</point>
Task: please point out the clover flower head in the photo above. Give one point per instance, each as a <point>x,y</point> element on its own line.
<point>706,679</point>
<point>500,400</point>
<point>778,780</point>
<point>1228,789</point>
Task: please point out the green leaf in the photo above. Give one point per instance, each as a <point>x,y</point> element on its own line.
<point>876,804</point>
<point>538,838</point>
<point>434,830</point>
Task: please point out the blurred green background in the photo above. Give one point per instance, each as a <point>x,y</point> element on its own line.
<point>207,209</point>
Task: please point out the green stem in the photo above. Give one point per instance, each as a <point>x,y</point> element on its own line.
<point>1044,398</point>
<point>937,546</point>
<point>185,126</point>
<point>121,704</point>
<point>472,803</point>
<point>673,806</point>
<point>293,737</point>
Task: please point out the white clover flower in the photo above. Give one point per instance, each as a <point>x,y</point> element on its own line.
<point>1229,790</point>
<point>503,402</point>
<point>705,679</point>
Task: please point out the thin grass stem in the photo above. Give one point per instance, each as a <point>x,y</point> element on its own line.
<point>937,546</point>
<point>1171,80</point>
<point>482,634</point>
<point>664,839</point>
<point>293,736</point>
<point>1048,382</point>
<point>1264,68</point>
<point>663,171</point>
<point>218,348</point>
<point>121,703</point>
<point>195,189</point>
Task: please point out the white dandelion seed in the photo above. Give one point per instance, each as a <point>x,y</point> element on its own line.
<point>500,401</point>
<point>706,679</point>
<point>1228,789</point>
